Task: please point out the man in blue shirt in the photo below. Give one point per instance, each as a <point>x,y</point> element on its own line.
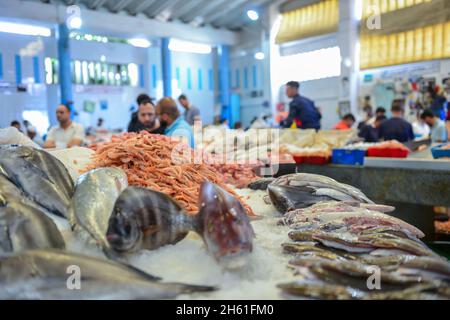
<point>301,110</point>
<point>176,127</point>
<point>396,128</point>
<point>438,129</point>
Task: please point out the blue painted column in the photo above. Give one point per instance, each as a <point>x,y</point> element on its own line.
<point>65,76</point>
<point>224,82</point>
<point>166,67</point>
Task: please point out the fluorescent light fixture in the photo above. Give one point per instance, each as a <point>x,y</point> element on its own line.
<point>133,73</point>
<point>259,56</point>
<point>102,58</point>
<point>252,15</point>
<point>25,29</point>
<point>191,47</point>
<point>74,22</point>
<point>140,43</point>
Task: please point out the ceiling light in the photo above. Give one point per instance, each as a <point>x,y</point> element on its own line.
<point>259,56</point>
<point>102,58</point>
<point>25,29</point>
<point>191,47</point>
<point>140,43</point>
<point>74,22</point>
<point>252,15</point>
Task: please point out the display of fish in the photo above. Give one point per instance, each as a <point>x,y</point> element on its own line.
<point>147,219</point>
<point>260,184</point>
<point>17,164</point>
<point>93,203</point>
<point>24,226</point>
<point>53,274</point>
<point>302,190</point>
<point>355,274</point>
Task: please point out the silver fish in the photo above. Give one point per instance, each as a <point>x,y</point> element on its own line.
<point>46,274</point>
<point>93,202</point>
<point>302,190</point>
<point>24,227</point>
<point>320,290</point>
<point>32,180</point>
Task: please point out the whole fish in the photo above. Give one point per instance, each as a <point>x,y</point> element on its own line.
<point>358,220</point>
<point>55,169</point>
<point>427,267</point>
<point>32,180</point>
<point>23,227</point>
<point>306,249</point>
<point>367,243</point>
<point>51,274</point>
<point>318,182</point>
<point>147,219</point>
<point>93,202</point>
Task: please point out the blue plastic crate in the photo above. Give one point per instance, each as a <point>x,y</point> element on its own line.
<point>437,151</point>
<point>348,157</point>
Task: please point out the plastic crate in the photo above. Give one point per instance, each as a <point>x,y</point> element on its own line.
<point>312,160</point>
<point>438,152</point>
<point>387,153</point>
<point>348,157</point>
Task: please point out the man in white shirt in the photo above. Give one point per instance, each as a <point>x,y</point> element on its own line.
<point>438,129</point>
<point>67,134</point>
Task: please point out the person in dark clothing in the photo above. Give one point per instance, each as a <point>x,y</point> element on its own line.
<point>146,118</point>
<point>134,116</point>
<point>396,128</point>
<point>302,111</point>
<point>371,133</point>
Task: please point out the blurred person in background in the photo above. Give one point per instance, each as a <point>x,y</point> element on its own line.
<point>238,126</point>
<point>224,124</point>
<point>396,128</point>
<point>370,133</point>
<point>302,111</point>
<point>281,115</point>
<point>16,124</point>
<point>437,103</point>
<point>67,134</point>
<point>192,113</point>
<point>367,110</point>
<point>346,123</point>
<point>420,128</point>
<point>380,111</point>
<point>146,118</point>
<point>174,124</point>
<point>438,132</point>
<point>34,136</point>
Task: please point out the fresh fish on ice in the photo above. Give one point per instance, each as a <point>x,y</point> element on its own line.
<point>45,274</point>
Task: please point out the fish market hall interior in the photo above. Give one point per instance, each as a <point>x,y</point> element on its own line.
<point>225,149</point>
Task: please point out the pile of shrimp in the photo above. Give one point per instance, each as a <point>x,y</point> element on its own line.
<point>158,163</point>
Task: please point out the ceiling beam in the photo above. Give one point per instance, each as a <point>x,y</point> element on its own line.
<point>95,4</point>
<point>226,8</point>
<point>186,8</point>
<point>120,5</point>
<point>160,7</point>
<point>141,7</point>
<point>98,22</point>
<point>202,11</point>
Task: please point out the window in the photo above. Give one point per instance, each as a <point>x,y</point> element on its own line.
<point>313,65</point>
